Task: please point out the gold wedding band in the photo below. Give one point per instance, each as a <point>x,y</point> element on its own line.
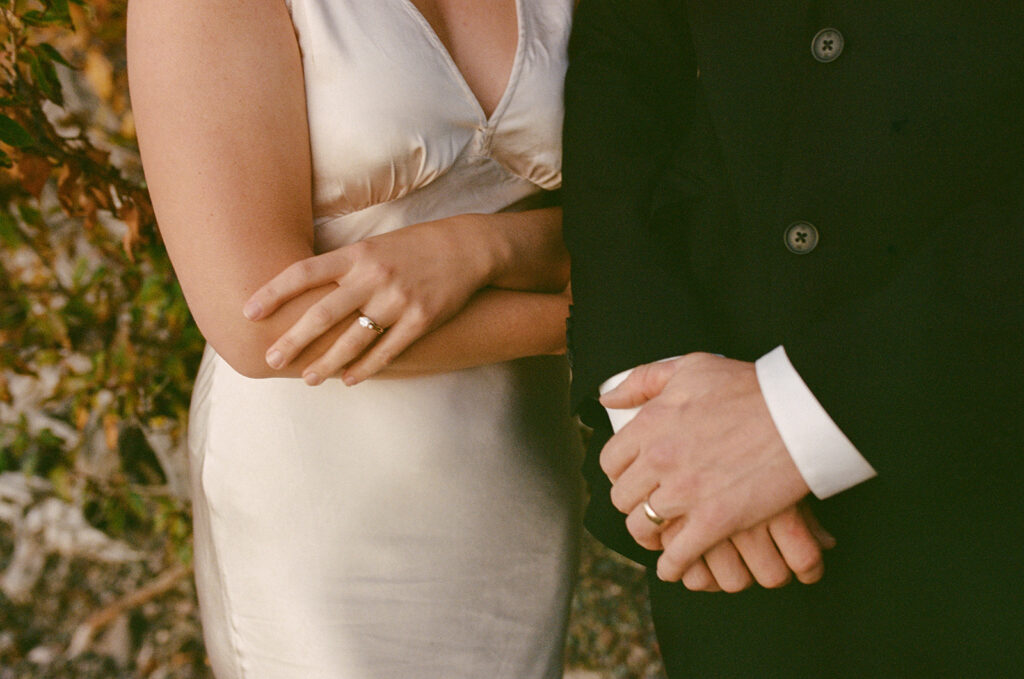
<point>370,324</point>
<point>654,517</point>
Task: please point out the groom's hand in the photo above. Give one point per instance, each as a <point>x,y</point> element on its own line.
<point>703,451</point>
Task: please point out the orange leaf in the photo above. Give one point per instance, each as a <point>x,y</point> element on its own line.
<point>110,430</point>
<point>68,189</point>
<point>101,197</point>
<point>81,417</point>
<point>32,171</point>
<point>130,215</point>
<point>100,74</point>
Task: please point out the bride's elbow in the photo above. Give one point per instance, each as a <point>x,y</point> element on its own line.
<point>249,364</point>
<point>245,355</point>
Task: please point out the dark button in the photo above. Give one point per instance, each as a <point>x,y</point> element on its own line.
<point>827,45</point>
<point>801,238</point>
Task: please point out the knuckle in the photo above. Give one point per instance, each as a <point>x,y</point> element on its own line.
<point>812,577</point>
<point>618,499</point>
<point>716,517</point>
<point>302,270</point>
<point>360,249</point>
<point>348,344</point>
<point>669,566</point>
<point>674,554</point>
<point>650,543</point>
<point>661,456</point>
<point>775,579</point>
<point>321,317</point>
<point>268,292</point>
<point>678,491</point>
<point>609,462</point>
<point>419,317</point>
<point>735,582</point>
<point>641,533</point>
<point>380,273</point>
<point>385,357</point>
<point>405,298</point>
<point>688,360</point>
<point>806,563</point>
<point>697,580</point>
<point>789,524</point>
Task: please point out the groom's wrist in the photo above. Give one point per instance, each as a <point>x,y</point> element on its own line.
<point>825,457</point>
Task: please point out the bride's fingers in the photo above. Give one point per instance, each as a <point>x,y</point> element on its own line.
<point>353,341</point>
<point>318,319</point>
<point>297,278</point>
<point>762,557</point>
<point>397,339</point>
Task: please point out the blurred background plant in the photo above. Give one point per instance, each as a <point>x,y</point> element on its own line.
<point>97,354</point>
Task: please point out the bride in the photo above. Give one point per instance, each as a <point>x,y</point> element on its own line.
<point>388,167</point>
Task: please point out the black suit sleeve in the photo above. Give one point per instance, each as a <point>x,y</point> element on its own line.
<point>629,93</point>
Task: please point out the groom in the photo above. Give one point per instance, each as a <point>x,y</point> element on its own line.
<point>820,206</point>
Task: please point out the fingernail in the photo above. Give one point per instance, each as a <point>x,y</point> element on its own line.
<point>349,380</point>
<point>312,379</point>
<point>275,359</point>
<point>252,310</point>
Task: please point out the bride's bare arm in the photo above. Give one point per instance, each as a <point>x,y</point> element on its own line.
<point>218,97</point>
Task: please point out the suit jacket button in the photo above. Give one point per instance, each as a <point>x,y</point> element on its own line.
<point>827,45</point>
<point>801,238</point>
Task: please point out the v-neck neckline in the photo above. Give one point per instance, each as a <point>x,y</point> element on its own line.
<point>435,39</point>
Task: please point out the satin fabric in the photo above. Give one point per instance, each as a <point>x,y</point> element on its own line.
<point>422,527</point>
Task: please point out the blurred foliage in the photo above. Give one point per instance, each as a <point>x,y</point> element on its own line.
<point>97,348</point>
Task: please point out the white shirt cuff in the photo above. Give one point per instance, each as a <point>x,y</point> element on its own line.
<point>827,460</point>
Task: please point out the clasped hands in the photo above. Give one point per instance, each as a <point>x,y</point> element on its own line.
<point>705,454</point>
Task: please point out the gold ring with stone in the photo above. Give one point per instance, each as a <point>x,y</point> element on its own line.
<point>370,324</point>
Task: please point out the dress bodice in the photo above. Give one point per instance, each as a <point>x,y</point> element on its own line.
<point>390,114</point>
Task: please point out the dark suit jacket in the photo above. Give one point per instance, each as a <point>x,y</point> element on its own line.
<point>696,133</point>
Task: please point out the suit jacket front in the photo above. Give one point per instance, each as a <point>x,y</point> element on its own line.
<point>698,133</point>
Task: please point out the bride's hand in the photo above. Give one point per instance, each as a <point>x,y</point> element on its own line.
<point>408,281</point>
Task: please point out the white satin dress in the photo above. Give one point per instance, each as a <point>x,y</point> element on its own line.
<point>418,528</point>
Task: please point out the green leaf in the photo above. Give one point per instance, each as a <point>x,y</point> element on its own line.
<point>51,52</point>
<point>35,18</point>
<point>9,233</point>
<point>57,12</point>
<point>5,160</point>
<point>30,215</point>
<point>45,76</point>
<point>11,132</point>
